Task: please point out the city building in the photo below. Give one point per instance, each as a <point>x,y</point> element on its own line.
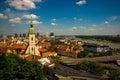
<point>70,51</point>
<point>96,48</point>
<point>51,35</point>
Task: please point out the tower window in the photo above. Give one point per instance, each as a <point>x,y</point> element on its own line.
<point>32,48</point>
<point>31,38</point>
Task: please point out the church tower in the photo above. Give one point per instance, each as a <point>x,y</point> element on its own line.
<point>32,49</point>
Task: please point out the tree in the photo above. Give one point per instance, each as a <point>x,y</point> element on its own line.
<point>108,53</point>
<point>3,64</point>
<point>14,68</point>
<point>82,54</point>
<point>114,74</point>
<point>96,68</point>
<point>91,67</point>
<point>81,66</point>
<point>55,58</point>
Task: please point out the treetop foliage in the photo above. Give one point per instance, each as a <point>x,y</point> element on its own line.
<point>14,68</point>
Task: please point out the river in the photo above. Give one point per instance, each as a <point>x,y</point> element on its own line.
<point>110,44</point>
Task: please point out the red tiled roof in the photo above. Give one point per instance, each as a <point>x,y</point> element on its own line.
<point>49,53</point>
<point>42,41</point>
<point>63,47</point>
<point>18,46</point>
<point>42,50</point>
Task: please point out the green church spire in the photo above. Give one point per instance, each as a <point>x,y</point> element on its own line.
<point>31,29</point>
<point>31,25</point>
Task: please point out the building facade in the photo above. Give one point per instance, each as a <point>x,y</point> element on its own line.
<point>96,48</point>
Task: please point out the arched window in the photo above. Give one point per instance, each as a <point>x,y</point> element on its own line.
<point>32,38</point>
<point>32,48</point>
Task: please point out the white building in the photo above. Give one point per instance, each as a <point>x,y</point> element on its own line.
<point>32,49</point>
<point>96,48</point>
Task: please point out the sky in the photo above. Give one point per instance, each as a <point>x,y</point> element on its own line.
<point>63,17</point>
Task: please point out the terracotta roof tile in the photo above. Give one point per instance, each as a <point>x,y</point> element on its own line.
<point>42,50</point>
<point>20,46</point>
<point>49,54</point>
<point>64,48</point>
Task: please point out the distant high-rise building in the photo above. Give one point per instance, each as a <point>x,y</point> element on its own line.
<point>1,36</point>
<point>16,35</point>
<point>24,34</point>
<point>32,49</point>
<point>51,34</point>
<point>20,35</point>
<point>37,34</point>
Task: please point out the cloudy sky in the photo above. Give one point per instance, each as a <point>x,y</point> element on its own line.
<point>70,17</point>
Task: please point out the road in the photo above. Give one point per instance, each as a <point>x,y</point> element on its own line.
<point>110,66</point>
<point>73,61</point>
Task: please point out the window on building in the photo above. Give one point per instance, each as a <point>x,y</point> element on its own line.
<point>31,38</point>
<point>32,49</point>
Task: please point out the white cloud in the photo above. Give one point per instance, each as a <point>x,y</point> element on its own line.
<point>112,18</point>
<point>8,10</point>
<point>75,18</point>
<point>15,20</point>
<point>81,2</point>
<point>54,19</point>
<point>91,29</point>
<point>78,19</point>
<point>106,22</point>
<point>94,25</point>
<point>12,13</point>
<point>82,27</point>
<point>74,28</point>
<point>28,16</point>
<point>53,24</point>
<point>36,22</point>
<point>23,4</point>
<point>3,16</point>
